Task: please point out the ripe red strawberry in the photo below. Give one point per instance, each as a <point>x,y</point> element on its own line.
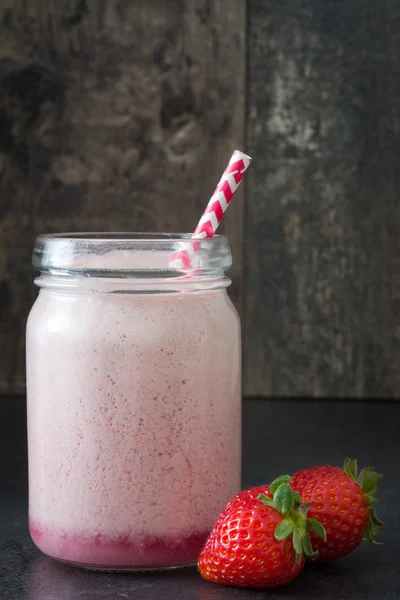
<point>343,503</point>
<point>259,540</point>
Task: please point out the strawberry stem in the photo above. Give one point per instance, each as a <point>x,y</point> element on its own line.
<point>295,523</point>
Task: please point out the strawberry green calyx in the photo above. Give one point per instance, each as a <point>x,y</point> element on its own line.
<point>295,521</point>
<point>368,481</point>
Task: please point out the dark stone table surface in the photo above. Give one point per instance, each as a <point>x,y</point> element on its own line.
<point>278,436</point>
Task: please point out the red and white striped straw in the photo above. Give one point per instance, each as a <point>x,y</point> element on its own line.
<point>215,209</point>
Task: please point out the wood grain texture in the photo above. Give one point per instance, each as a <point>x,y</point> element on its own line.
<point>114,115</point>
<point>322,304</point>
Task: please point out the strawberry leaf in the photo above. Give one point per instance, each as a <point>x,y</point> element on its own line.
<point>297,544</point>
<point>374,518</point>
<point>316,527</point>
<point>363,472</point>
<point>283,498</point>
<point>265,500</point>
<point>350,468</point>
<point>370,482</point>
<point>298,499</point>
<point>371,500</point>
<point>278,481</point>
<point>306,545</point>
<point>283,530</point>
<point>304,508</point>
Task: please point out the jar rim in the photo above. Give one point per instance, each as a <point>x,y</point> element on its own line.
<point>126,236</point>
<point>127,254</point>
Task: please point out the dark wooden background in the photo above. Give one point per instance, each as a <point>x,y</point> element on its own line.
<point>121,114</point>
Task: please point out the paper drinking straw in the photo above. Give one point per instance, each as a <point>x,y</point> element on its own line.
<point>215,209</point>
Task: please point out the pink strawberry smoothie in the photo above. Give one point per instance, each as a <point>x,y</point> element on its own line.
<point>133,424</point>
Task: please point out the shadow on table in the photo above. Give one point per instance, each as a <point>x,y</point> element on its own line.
<point>50,580</point>
<point>349,579</point>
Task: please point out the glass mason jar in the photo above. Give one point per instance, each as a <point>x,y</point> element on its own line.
<point>134,399</point>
